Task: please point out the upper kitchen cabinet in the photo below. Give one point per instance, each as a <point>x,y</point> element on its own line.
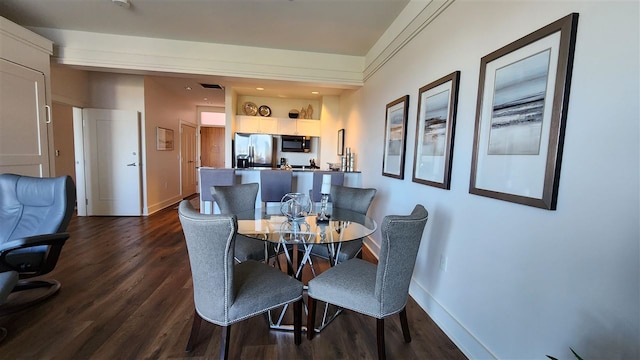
<point>302,127</point>
<point>278,121</point>
<point>27,137</point>
<point>256,124</point>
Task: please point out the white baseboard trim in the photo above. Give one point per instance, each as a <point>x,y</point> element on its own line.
<point>164,204</point>
<point>470,346</point>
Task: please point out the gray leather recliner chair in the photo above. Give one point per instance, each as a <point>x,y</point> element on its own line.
<point>34,214</point>
<point>8,280</point>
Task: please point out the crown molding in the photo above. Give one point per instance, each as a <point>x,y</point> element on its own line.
<point>416,16</point>
<point>108,52</point>
<point>18,33</point>
<point>117,52</point>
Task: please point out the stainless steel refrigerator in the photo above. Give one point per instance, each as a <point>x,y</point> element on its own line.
<point>257,149</point>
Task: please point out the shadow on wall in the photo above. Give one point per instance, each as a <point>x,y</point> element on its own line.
<point>437,236</point>
<point>599,338</point>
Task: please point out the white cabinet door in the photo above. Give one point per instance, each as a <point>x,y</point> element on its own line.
<point>301,127</point>
<point>268,125</point>
<point>308,127</point>
<point>287,126</point>
<point>247,124</point>
<point>256,125</point>
<point>24,145</point>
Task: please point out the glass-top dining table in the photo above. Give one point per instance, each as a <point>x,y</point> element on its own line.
<point>289,236</point>
<point>268,224</point>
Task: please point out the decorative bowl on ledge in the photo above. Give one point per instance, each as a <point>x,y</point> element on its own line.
<point>334,166</point>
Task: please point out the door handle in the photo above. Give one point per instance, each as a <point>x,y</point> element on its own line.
<point>132,164</point>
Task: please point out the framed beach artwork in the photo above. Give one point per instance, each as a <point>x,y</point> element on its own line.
<point>164,139</point>
<point>523,96</point>
<point>435,126</point>
<point>395,138</point>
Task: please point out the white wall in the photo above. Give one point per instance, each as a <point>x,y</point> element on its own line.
<point>69,86</point>
<point>122,92</point>
<point>163,109</point>
<point>161,169</point>
<point>522,282</point>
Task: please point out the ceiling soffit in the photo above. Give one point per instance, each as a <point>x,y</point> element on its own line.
<point>119,52</point>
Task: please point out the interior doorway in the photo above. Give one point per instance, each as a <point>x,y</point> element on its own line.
<point>113,175</point>
<point>188,160</point>
<point>63,141</point>
<point>212,146</point>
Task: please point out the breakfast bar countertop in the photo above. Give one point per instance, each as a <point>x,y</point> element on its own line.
<point>304,169</point>
<point>302,181</point>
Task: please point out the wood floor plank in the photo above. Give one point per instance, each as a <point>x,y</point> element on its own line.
<point>127,293</point>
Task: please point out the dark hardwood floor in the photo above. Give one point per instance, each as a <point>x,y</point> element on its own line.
<point>127,294</point>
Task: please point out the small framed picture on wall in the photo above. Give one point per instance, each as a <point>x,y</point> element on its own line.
<point>395,138</point>
<point>164,139</point>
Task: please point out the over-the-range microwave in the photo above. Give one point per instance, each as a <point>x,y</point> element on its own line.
<point>295,143</point>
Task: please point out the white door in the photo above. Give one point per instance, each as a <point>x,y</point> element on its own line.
<point>188,159</point>
<point>112,162</point>
<point>24,144</point>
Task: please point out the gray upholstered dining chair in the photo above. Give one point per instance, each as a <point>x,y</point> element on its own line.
<point>349,198</point>
<point>34,214</point>
<point>378,291</point>
<point>235,199</point>
<point>225,293</point>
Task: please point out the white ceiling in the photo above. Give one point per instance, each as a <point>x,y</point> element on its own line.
<point>347,27</point>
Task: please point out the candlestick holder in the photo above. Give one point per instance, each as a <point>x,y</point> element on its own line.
<point>323,216</point>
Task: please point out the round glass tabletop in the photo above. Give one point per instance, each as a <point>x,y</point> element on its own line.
<point>270,225</point>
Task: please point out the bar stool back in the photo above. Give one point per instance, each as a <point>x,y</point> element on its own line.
<point>212,177</point>
<point>337,178</point>
<point>274,184</point>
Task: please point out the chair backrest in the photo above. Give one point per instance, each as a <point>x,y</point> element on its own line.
<point>401,237</point>
<point>235,198</point>
<point>350,198</point>
<point>34,206</point>
<point>274,184</point>
<point>210,244</point>
<point>210,177</point>
<point>337,178</point>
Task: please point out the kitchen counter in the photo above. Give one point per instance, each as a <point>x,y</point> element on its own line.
<point>302,181</point>
<point>294,170</point>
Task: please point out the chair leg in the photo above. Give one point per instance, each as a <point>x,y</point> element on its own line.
<point>405,325</point>
<point>311,317</point>
<point>297,322</point>
<point>224,342</point>
<point>382,354</point>
<point>195,329</point>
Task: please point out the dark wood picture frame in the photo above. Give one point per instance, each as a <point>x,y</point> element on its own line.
<point>340,142</point>
<point>395,138</point>
<point>505,163</point>
<point>435,131</point>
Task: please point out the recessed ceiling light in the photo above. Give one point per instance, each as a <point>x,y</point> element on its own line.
<point>123,3</point>
<point>315,92</point>
<point>259,88</point>
<point>205,99</point>
<point>188,88</point>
